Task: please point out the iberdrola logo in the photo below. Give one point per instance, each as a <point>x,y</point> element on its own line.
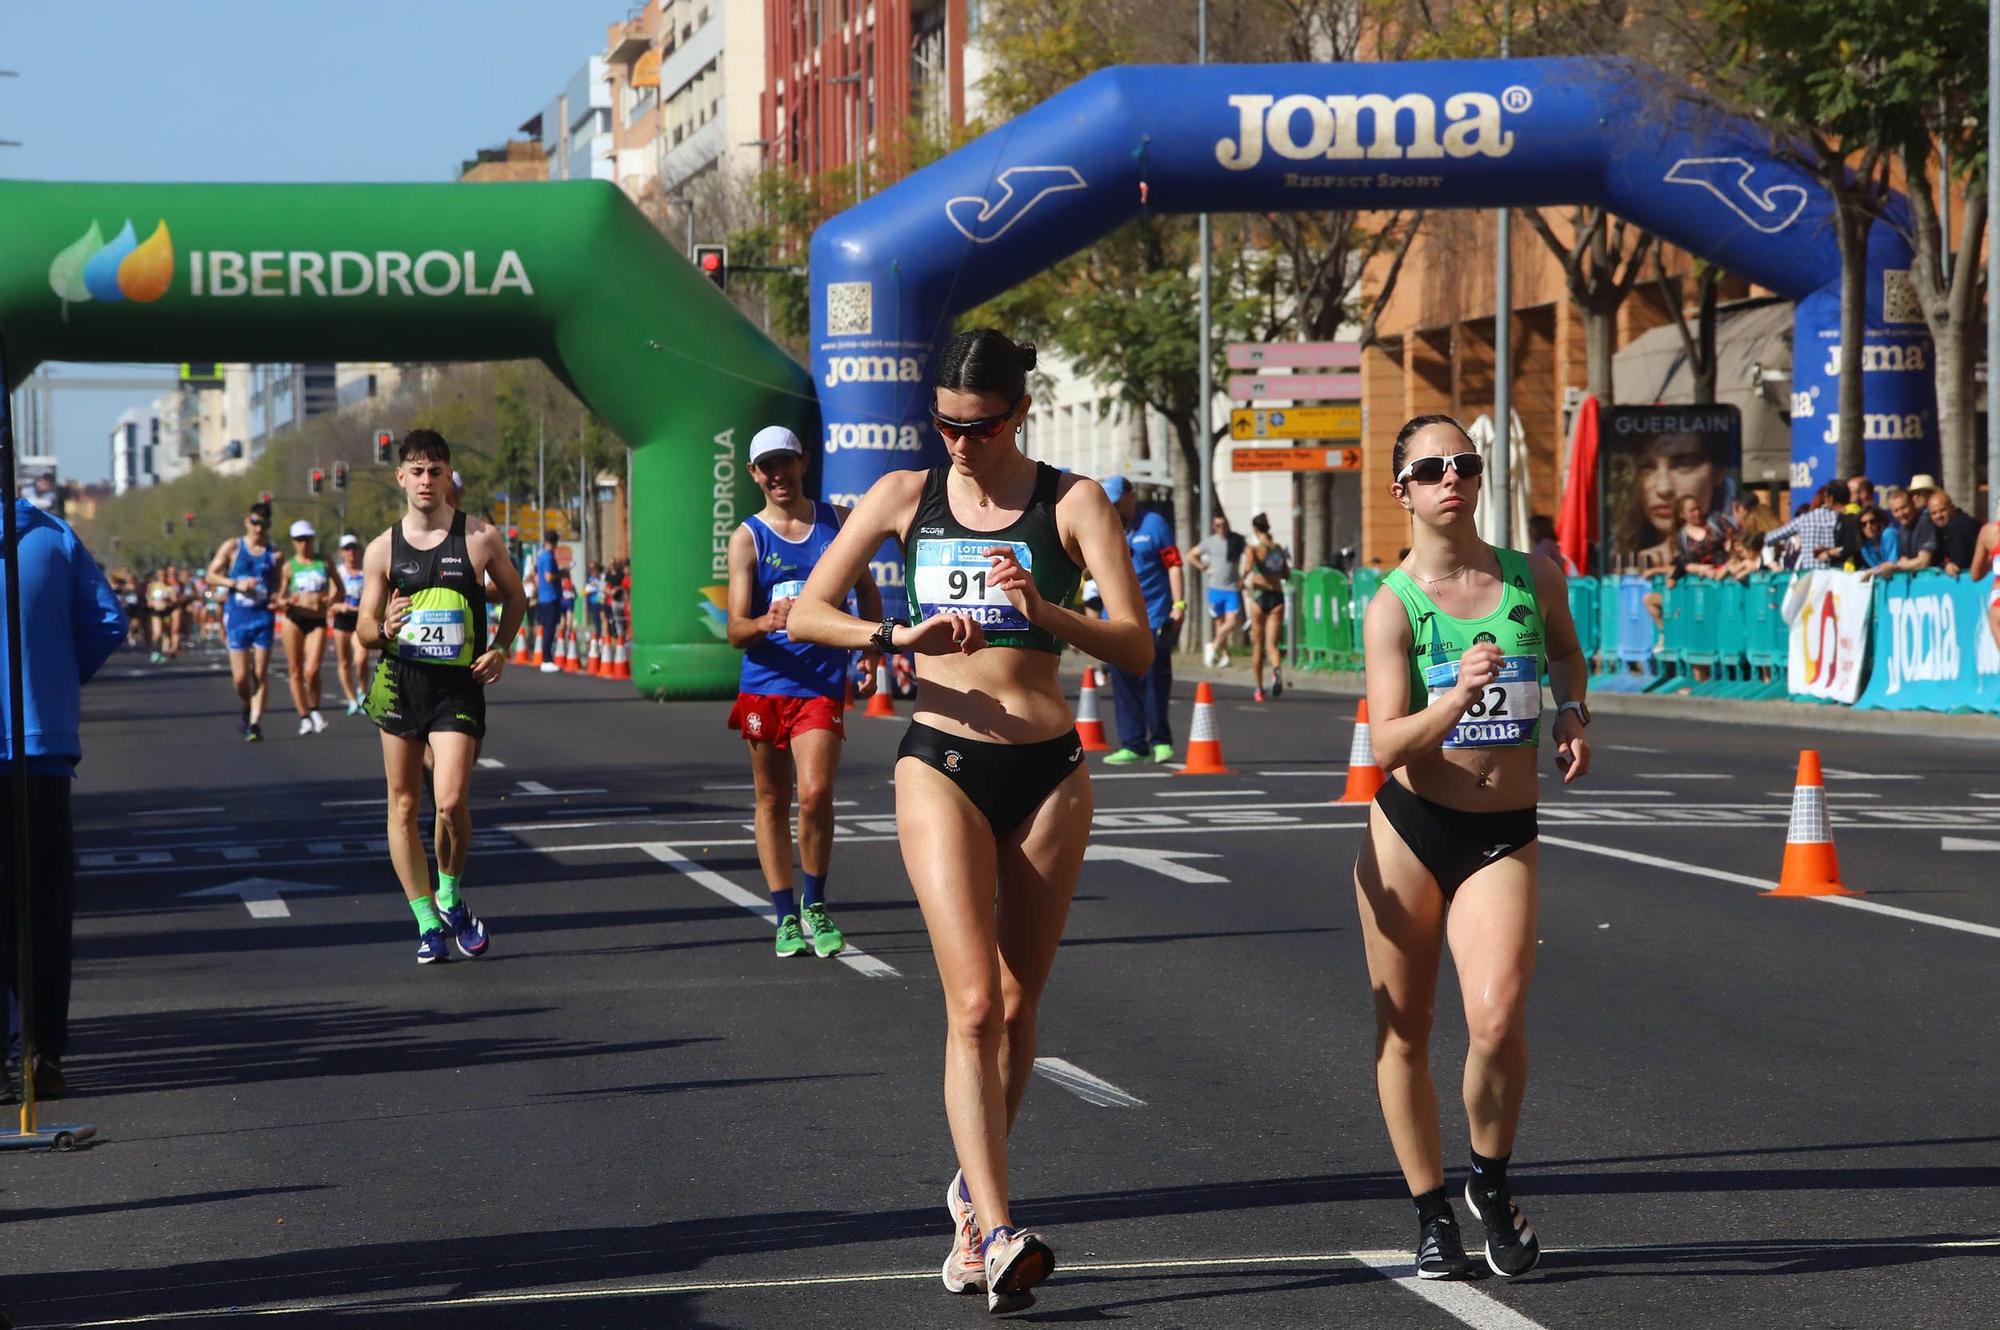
<point>123,269</point>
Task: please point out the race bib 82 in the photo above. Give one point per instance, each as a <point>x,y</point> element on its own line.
<point>1504,715</point>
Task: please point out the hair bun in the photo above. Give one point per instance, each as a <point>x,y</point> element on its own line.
<point>1027,355</point>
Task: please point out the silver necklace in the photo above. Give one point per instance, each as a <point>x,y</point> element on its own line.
<point>1433,581</point>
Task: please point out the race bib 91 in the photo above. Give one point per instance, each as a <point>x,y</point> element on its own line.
<point>951,579</point>
<point>1504,715</point>
<point>433,634</point>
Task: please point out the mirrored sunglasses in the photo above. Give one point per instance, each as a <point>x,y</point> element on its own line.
<point>1430,470</point>
<point>985,427</point>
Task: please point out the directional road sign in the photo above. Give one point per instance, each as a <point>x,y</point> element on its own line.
<point>1295,387</point>
<point>1295,459</point>
<point>1296,422</point>
<point>1306,355</point>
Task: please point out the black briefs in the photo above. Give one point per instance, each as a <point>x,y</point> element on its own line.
<point>1453,844</point>
<point>1007,782</point>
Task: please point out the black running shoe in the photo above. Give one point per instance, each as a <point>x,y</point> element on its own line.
<point>1511,1248</point>
<point>1440,1254</point>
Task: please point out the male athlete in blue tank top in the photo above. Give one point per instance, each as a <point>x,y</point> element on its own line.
<point>248,564</point>
<point>791,695</point>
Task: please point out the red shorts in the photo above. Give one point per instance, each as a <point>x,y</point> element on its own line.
<point>774,719</point>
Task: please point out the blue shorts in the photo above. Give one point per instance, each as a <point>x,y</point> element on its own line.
<point>1221,602</point>
<point>245,629</point>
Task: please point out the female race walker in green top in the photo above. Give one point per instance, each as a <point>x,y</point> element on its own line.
<point>308,591</point>
<point>1454,657</point>
<point>992,795</point>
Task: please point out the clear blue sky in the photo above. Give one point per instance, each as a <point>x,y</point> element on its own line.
<point>269,90</point>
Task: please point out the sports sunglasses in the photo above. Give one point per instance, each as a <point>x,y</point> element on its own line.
<point>985,427</point>
<point>1430,470</point>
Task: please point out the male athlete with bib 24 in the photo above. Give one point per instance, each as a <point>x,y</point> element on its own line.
<point>789,700</point>
<point>423,603</point>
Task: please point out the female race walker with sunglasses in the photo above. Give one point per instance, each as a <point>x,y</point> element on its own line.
<point>993,801</point>
<point>1455,659</point>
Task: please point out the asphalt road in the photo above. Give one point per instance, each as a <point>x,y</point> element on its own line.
<point>1744,1112</point>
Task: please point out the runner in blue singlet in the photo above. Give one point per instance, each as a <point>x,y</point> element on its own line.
<point>249,566</point>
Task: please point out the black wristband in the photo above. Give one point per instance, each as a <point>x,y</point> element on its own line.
<point>885,636</point>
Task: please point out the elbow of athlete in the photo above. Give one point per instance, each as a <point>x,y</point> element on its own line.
<point>1134,653</point>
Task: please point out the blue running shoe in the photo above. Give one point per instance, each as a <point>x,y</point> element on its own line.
<point>467,932</point>
<point>434,946</point>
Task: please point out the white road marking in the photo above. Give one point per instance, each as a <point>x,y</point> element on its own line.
<point>853,957</point>
<point>1978,794</point>
<point>1097,775</point>
<point>1622,794</point>
<point>1835,773</point>
<point>176,812</point>
<point>1162,862</point>
<point>1951,843</point>
<point>1089,1088</point>
<point>262,896</point>
<point>1326,771</point>
<point>1690,775</point>
<point>598,812</point>
<point>1765,884</point>
<point>1206,794</point>
<point>1462,1301</point>
<point>491,763</point>
<point>1629,748</point>
<point>535,787</point>
<point>354,803</point>
<point>1831,794</point>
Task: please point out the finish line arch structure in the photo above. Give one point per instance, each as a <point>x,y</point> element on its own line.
<point>890,275</point>
<point>569,274</point>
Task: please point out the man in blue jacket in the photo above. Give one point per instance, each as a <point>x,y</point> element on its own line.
<point>71,622</point>
<point>1144,730</point>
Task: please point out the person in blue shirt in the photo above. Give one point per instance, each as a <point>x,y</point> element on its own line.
<point>1881,539</point>
<point>71,622</point>
<point>1143,699</point>
<point>248,565</point>
<point>548,600</point>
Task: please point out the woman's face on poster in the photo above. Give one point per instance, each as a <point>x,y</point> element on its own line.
<point>1674,467</point>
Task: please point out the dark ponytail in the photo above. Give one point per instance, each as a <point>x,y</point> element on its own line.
<point>987,361</point>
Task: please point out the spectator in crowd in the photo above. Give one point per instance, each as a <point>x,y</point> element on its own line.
<point>1920,487</point>
<point>593,592</point>
<point>1861,491</point>
<point>1957,533</point>
<point>1542,531</point>
<point>1751,516</point>
<point>1744,557</point>
<point>1700,549</point>
<point>1817,529</point>
<point>1144,729</point>
<point>548,600</point>
<point>71,622</point>
<point>1916,540</point>
<point>1881,539</point>
<point>1218,557</point>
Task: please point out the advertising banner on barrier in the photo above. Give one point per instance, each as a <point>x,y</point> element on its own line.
<point>1933,650</point>
<point>1830,636</point>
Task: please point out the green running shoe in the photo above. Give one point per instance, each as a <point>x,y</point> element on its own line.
<point>826,939</point>
<point>791,942</point>
<point>1124,757</point>
<point>1163,752</point>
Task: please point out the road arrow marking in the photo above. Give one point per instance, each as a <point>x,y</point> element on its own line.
<point>1091,1089</point>
<point>264,897</point>
<point>1163,862</point>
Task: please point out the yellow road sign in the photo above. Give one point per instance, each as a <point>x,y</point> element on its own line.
<point>1296,422</point>
<point>1295,459</point>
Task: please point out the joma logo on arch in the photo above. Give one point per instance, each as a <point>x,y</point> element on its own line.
<point>1370,126</point>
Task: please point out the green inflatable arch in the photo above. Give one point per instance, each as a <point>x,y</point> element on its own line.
<point>570,274</point>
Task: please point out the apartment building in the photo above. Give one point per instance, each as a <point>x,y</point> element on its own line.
<point>574,128</point>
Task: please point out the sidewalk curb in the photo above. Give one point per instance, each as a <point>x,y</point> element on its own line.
<point>1776,715</point>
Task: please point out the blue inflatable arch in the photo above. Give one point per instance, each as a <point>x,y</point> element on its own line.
<point>890,275</point>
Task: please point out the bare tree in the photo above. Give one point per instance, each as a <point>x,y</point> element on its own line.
<point>1948,287</point>
<point>1600,268</point>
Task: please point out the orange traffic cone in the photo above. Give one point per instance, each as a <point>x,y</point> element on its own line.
<point>879,701</point>
<point>1364,777</point>
<point>1089,727</point>
<point>1204,751</point>
<point>521,653</point>
<point>848,705</point>
<point>1810,868</point>
<point>622,664</point>
<point>568,649</point>
<point>599,666</point>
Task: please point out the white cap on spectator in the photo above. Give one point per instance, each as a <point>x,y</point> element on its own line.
<point>302,528</point>
<point>349,539</point>
<point>774,439</point>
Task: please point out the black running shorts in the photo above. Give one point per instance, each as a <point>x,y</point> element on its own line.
<point>411,701</point>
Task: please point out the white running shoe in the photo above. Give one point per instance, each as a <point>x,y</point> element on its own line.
<point>550,667</point>
<point>305,726</point>
<point>964,1270</point>
<point>1015,1262</point>
<point>318,723</point>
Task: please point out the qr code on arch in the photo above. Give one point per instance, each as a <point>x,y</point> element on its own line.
<point>1899,297</point>
<point>850,309</point>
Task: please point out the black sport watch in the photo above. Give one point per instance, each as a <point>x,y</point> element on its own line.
<point>885,636</point>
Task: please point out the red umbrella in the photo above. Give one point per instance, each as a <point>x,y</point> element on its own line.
<point>1576,523</point>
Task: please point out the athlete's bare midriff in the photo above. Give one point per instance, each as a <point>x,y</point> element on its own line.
<point>997,694</point>
<point>1475,780</point>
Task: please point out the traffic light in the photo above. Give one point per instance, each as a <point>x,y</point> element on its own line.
<point>316,480</point>
<point>713,260</point>
<point>385,446</point>
<point>340,475</point>
<point>264,497</point>
<point>190,519</point>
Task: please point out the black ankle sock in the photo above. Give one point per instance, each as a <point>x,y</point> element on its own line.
<point>1433,1204</point>
<point>1489,1175</point>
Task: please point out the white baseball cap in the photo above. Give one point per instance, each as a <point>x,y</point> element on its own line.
<point>775,439</point>
<point>302,528</point>
<point>349,539</point>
